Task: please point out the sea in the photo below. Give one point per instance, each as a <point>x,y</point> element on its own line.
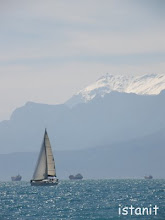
<point>82,199</point>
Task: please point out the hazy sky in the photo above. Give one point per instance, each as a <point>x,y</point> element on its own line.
<point>51,49</point>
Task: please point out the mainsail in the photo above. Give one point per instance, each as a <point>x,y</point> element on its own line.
<point>49,157</point>
<point>45,165</point>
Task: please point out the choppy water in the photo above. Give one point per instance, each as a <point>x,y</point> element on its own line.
<point>87,199</point>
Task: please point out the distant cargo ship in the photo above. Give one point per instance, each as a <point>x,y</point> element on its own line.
<point>76,177</point>
<point>16,178</point>
<point>148,177</point>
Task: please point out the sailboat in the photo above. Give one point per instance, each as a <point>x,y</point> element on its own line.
<point>45,172</point>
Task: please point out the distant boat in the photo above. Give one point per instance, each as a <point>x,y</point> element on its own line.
<point>16,178</point>
<point>148,177</point>
<point>76,177</point>
<point>45,172</point>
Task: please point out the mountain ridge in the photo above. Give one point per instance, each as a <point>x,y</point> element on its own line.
<point>148,84</point>
<point>116,117</point>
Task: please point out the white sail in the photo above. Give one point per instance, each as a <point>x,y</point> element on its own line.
<point>41,169</point>
<point>49,156</point>
<point>45,165</point>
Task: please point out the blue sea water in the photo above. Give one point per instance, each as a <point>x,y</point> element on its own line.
<point>86,199</point>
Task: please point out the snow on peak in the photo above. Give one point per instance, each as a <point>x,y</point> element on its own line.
<point>148,84</point>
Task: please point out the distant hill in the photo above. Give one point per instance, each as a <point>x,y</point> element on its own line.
<point>132,159</point>
<point>115,118</point>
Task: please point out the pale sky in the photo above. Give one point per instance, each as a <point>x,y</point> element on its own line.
<point>51,49</point>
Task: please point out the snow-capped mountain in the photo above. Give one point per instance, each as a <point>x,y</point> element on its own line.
<point>149,84</point>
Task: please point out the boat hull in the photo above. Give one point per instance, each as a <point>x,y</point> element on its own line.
<point>44,183</point>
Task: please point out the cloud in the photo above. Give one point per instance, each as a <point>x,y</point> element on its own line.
<point>113,43</point>
<point>38,30</point>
